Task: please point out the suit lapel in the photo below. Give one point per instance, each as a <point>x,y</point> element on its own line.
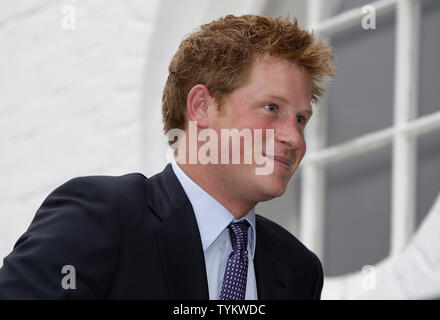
<point>181,249</point>
<point>178,237</point>
<point>272,274</point>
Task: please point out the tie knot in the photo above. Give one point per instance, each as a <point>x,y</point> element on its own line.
<point>238,231</point>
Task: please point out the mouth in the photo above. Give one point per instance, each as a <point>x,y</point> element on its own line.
<point>280,161</point>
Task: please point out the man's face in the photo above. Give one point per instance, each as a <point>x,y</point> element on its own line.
<point>278,97</point>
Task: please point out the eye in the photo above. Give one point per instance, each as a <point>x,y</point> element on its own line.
<point>301,120</point>
<point>271,107</point>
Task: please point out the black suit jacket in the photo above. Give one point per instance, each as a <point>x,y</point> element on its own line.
<point>130,237</point>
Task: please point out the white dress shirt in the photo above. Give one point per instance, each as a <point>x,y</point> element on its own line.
<point>212,219</point>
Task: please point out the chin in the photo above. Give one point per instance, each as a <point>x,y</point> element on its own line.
<point>272,189</point>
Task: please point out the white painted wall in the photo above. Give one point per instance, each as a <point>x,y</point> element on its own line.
<point>85,101</point>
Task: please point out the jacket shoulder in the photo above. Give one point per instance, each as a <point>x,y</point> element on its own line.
<point>104,183</point>
<point>123,190</point>
<point>77,225</point>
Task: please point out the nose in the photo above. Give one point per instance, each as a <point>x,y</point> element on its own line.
<point>290,134</point>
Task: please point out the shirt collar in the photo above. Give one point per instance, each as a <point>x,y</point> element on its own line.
<point>212,217</point>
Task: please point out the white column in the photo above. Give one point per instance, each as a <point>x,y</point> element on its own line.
<point>405,109</point>
<point>313,174</point>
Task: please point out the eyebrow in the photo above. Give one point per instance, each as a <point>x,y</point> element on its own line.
<point>307,109</point>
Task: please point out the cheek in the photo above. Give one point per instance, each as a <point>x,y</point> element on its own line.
<point>260,132</point>
<point>260,125</point>
<point>300,153</point>
<point>245,121</point>
<point>304,145</point>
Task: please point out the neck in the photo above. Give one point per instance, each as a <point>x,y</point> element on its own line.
<point>204,178</point>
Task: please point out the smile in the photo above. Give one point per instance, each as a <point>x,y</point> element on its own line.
<point>280,161</point>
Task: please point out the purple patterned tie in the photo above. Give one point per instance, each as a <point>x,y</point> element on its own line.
<point>234,281</point>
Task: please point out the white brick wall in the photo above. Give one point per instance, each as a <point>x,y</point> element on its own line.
<point>85,101</point>
<point>69,99</point>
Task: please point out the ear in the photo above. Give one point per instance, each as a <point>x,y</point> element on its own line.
<point>197,104</point>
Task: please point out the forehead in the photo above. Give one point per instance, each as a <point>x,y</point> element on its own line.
<point>279,77</point>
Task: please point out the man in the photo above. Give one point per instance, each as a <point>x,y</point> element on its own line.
<point>191,232</point>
